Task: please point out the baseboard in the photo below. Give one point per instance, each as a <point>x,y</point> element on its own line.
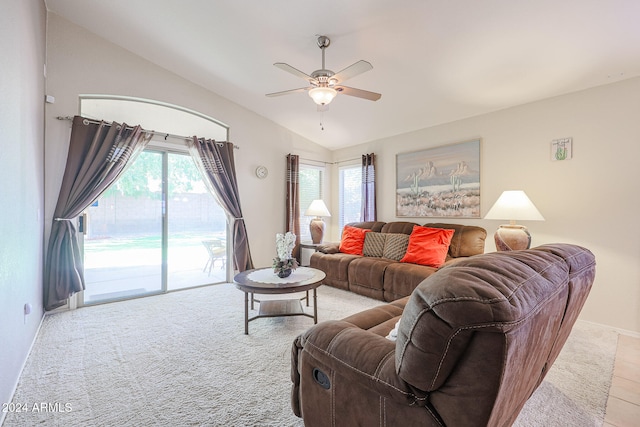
<point>24,363</point>
<point>618,330</point>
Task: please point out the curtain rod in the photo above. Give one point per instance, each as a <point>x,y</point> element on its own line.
<point>166,135</point>
<point>330,163</point>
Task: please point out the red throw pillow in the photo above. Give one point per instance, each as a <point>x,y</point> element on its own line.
<point>352,240</point>
<point>428,246</point>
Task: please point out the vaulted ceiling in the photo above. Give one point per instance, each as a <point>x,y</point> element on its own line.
<point>434,61</point>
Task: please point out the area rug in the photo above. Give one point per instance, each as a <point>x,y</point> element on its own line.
<point>182,359</point>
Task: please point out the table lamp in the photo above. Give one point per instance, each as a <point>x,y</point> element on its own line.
<point>318,209</point>
<point>513,205</point>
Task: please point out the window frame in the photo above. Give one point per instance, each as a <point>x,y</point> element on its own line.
<point>341,190</point>
<point>305,234</point>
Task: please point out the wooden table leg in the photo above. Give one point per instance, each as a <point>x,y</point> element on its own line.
<point>246,312</point>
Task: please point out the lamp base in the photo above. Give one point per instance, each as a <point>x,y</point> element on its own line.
<point>512,237</point>
<point>316,227</point>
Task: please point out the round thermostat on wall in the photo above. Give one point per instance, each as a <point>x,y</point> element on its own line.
<point>262,172</point>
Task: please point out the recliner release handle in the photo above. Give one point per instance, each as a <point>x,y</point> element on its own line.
<point>321,378</point>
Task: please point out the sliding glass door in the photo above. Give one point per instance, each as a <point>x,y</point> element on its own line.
<point>196,228</point>
<point>156,229</point>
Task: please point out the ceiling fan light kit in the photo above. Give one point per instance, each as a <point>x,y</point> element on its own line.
<point>322,95</point>
<point>325,84</point>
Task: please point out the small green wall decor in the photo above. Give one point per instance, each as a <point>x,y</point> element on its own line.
<point>561,149</point>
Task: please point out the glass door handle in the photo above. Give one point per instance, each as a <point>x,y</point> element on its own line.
<point>83,225</point>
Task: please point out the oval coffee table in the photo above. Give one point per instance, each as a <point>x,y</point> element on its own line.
<point>265,281</point>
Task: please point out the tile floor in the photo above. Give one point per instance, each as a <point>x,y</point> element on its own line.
<point>623,407</point>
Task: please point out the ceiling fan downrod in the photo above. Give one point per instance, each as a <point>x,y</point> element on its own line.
<point>323,76</point>
<point>323,43</point>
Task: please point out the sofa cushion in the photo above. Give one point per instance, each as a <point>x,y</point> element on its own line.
<point>374,244</point>
<point>352,240</point>
<point>400,279</point>
<point>368,225</point>
<point>395,246</point>
<point>381,319</point>
<point>366,276</point>
<point>403,227</point>
<point>335,266</point>
<point>467,240</point>
<point>428,246</point>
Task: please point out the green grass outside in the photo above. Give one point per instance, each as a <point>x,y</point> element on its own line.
<point>147,242</point>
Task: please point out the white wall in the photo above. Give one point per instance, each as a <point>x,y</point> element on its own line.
<point>22,48</point>
<point>591,200</point>
<point>79,62</point>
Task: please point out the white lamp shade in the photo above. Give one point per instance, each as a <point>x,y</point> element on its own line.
<point>514,205</point>
<point>322,95</point>
<point>317,208</point>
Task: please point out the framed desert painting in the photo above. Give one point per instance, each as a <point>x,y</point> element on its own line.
<point>439,182</point>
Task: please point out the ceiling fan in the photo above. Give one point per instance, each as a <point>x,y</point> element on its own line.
<point>325,84</point>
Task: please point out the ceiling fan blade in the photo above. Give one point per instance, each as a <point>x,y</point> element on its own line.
<point>289,69</point>
<point>346,90</point>
<point>287,92</point>
<point>352,71</point>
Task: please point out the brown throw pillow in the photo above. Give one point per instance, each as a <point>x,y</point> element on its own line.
<point>374,244</point>
<point>395,246</point>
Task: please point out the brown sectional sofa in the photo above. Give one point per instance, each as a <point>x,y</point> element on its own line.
<point>474,341</point>
<point>387,279</point>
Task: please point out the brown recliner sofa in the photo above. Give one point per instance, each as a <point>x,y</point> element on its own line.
<point>384,278</point>
<point>473,343</point>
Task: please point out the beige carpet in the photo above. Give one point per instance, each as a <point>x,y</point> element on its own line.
<point>576,389</point>
<point>182,359</point>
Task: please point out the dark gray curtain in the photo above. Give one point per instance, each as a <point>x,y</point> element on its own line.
<point>98,154</point>
<point>217,166</point>
<point>293,200</point>
<point>369,211</point>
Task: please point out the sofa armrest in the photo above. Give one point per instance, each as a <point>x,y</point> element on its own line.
<point>356,355</point>
<point>329,248</point>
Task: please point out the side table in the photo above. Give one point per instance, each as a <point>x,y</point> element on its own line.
<point>307,245</point>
